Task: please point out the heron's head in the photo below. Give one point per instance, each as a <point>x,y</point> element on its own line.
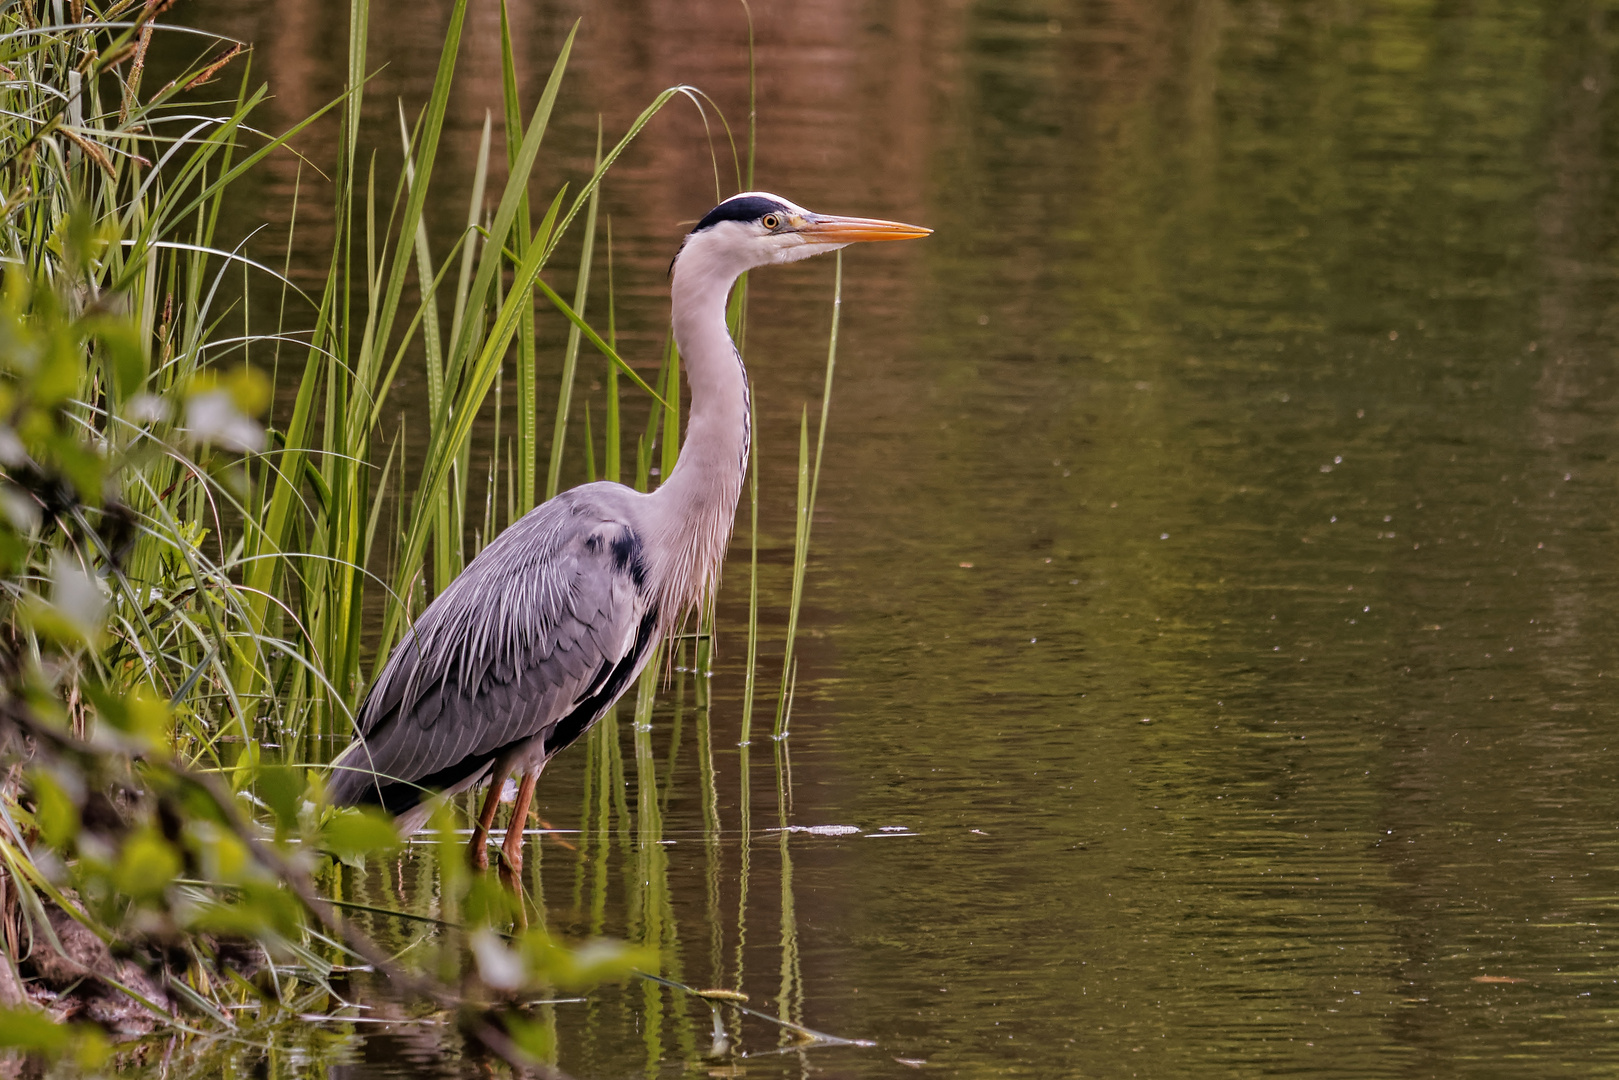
<point>757,228</point>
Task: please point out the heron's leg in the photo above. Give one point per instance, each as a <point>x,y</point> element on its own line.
<point>478,852</point>
<point>512,850</point>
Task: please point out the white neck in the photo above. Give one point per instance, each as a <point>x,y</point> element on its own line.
<point>697,500</point>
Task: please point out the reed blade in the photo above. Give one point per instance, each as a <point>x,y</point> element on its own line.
<point>570,356</point>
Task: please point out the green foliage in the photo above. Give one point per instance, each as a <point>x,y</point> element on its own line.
<point>34,1032</point>
<point>535,1039</point>
<point>181,575</point>
<point>138,718</point>
<point>281,788</point>
<point>532,961</point>
<point>56,814</point>
<point>146,866</point>
<point>352,834</point>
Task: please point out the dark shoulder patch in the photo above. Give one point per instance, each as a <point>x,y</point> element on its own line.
<point>626,549</point>
<point>750,209</point>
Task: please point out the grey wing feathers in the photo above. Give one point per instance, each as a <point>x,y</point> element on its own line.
<point>535,626</point>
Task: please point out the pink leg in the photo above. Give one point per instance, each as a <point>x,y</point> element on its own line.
<point>478,853</point>
<point>512,850</point>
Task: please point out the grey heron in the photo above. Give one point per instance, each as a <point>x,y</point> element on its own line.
<point>553,621</point>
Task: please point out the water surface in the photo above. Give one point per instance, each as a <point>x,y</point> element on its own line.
<point>1214,573</point>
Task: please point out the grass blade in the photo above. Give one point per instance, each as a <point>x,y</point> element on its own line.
<point>570,358</point>
<point>808,483</point>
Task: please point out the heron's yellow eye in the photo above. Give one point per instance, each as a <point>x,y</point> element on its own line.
<point>770,221</point>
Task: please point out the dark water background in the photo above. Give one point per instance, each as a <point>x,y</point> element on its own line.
<point>1262,369</point>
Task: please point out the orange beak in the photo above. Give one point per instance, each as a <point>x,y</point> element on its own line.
<point>825,229</point>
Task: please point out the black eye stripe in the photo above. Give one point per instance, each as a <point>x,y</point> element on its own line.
<point>750,209</point>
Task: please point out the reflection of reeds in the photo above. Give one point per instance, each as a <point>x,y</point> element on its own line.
<point>745,861</point>
<point>790,993</point>
<point>651,906</point>
<point>713,865</point>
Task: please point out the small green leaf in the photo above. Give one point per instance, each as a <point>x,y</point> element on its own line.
<point>579,967</point>
<point>249,389</point>
<point>221,853</point>
<point>146,867</point>
<point>34,1031</point>
<point>282,789</point>
<point>76,611</point>
<point>536,1039</point>
<point>259,909</point>
<point>90,1049</point>
<point>13,549</point>
<point>54,810</point>
<point>58,376</point>
<point>81,465</point>
<point>354,833</point>
<point>488,902</point>
<point>246,767</point>
<point>78,238</point>
<point>139,714</point>
<point>120,351</point>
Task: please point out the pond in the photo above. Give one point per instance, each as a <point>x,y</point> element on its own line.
<point>1213,585</point>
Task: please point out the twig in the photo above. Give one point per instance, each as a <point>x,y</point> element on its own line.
<point>809,1035</point>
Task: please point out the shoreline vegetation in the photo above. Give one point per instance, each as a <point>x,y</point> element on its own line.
<point>184,570</point>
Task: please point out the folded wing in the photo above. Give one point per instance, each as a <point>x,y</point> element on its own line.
<point>527,647</point>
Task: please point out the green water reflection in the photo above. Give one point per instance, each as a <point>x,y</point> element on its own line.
<point>1214,574</point>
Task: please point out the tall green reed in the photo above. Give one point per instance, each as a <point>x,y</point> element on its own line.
<point>570,357</point>
<point>323,503</point>
<point>809,483</point>
<point>146,180</point>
